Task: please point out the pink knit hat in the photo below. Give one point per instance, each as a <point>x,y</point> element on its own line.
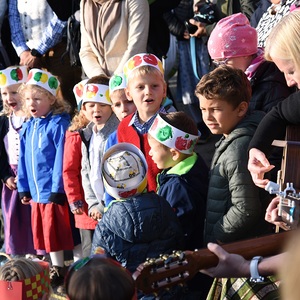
<point>232,37</point>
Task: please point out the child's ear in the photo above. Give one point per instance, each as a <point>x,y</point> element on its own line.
<point>127,93</point>
<point>243,108</point>
<point>175,154</point>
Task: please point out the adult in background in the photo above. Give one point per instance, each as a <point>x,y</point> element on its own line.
<point>112,31</point>
<point>38,37</point>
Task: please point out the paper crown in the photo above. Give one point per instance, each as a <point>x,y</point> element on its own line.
<point>32,288</point>
<point>172,137</point>
<point>117,82</point>
<point>124,170</point>
<point>93,92</point>
<point>142,59</point>
<point>43,79</point>
<point>78,90</point>
<point>13,75</point>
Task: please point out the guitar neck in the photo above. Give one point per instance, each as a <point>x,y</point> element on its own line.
<point>169,270</point>
<point>262,246</point>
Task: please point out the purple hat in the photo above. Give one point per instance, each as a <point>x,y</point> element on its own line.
<point>233,36</point>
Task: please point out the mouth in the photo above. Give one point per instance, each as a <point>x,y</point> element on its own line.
<point>12,105</point>
<point>149,100</point>
<point>98,118</point>
<point>33,111</point>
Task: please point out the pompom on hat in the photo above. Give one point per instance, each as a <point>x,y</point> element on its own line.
<point>117,82</point>
<point>233,36</point>
<point>13,75</point>
<point>78,91</point>
<point>43,79</point>
<point>142,59</point>
<point>94,92</point>
<point>124,171</point>
<point>172,137</point>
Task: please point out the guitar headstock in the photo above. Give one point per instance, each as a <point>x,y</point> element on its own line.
<point>169,270</point>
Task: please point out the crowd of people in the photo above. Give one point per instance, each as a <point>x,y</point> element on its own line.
<point>99,162</point>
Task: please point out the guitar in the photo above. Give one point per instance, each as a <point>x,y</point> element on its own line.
<point>180,266</point>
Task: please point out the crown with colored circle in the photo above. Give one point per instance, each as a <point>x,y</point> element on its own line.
<point>124,171</point>
<point>172,137</point>
<point>142,59</point>
<point>94,92</point>
<point>78,90</point>
<point>13,75</point>
<point>117,82</point>
<point>43,79</point>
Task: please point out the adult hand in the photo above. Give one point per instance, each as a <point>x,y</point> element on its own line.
<point>11,183</point>
<point>77,211</point>
<point>25,200</point>
<point>201,31</point>
<point>230,265</point>
<point>26,59</point>
<point>95,214</point>
<point>258,165</point>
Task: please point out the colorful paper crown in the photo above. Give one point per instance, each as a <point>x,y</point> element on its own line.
<point>32,288</point>
<point>172,137</point>
<point>78,90</point>
<point>93,92</point>
<point>142,59</point>
<point>43,79</point>
<point>13,75</point>
<point>124,170</point>
<point>117,82</point>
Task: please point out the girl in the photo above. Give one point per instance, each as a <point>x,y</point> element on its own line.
<point>17,224</point>
<point>40,168</point>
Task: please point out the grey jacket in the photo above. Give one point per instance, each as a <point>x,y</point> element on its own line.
<point>86,134</point>
<point>235,206</point>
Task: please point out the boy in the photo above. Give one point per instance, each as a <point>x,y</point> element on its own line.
<point>138,224</point>
<point>235,206</point>
<point>94,137</point>
<point>147,88</point>
<point>184,179</point>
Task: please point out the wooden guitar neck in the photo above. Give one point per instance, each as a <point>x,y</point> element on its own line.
<point>169,270</point>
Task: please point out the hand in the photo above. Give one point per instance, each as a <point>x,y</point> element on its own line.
<point>258,165</point>
<point>95,214</point>
<point>77,211</point>
<point>25,200</point>
<point>11,183</point>
<point>26,59</point>
<point>201,31</point>
<point>230,265</point>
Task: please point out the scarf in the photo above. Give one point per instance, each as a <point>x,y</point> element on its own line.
<point>99,17</point>
<point>255,63</point>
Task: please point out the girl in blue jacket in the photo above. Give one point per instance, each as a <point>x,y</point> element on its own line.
<point>40,166</point>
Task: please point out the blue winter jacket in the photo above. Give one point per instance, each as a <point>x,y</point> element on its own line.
<point>137,228</point>
<point>41,158</point>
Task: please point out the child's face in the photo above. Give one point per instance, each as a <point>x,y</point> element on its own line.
<point>161,155</point>
<point>220,116</point>
<point>11,97</point>
<point>37,103</point>
<point>121,106</point>
<point>99,113</point>
<point>147,92</point>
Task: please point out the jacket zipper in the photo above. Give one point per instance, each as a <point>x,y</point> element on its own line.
<point>32,161</point>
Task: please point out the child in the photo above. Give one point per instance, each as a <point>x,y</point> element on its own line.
<point>94,137</point>
<point>21,278</point>
<point>40,168</point>
<point>17,224</point>
<point>72,172</point>
<point>122,107</point>
<point>184,179</point>
<point>147,88</point>
<point>138,224</point>
<point>99,277</point>
<point>235,206</point>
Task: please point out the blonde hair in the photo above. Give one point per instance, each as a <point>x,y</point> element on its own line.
<point>59,106</point>
<point>79,121</point>
<point>144,70</point>
<point>284,40</point>
<point>19,269</point>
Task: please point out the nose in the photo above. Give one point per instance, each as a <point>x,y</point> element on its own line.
<point>147,90</point>
<point>290,80</point>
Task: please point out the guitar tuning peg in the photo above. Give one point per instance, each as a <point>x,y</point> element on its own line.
<point>164,256</point>
<point>182,256</point>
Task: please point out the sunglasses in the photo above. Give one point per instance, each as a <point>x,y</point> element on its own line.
<point>219,63</point>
